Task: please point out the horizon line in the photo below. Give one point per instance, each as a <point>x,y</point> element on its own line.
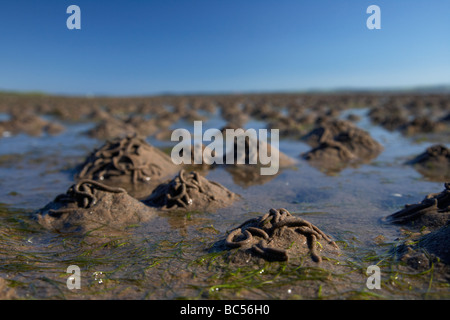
<point>436,88</point>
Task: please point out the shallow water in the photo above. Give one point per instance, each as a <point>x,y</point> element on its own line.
<point>159,259</point>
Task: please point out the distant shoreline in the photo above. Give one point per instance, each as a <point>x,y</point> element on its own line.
<point>432,89</point>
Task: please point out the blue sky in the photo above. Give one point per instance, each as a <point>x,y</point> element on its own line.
<point>150,47</point>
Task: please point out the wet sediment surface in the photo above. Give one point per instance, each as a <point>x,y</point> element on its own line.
<point>170,256</point>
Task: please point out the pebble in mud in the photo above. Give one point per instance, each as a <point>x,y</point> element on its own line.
<point>434,163</point>
<point>432,212</point>
<point>90,204</point>
<point>277,236</point>
<point>190,191</point>
<point>130,163</point>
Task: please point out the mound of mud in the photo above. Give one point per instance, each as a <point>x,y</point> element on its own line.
<point>360,143</point>
<point>437,243</point>
<point>277,236</point>
<point>330,156</point>
<point>427,251</point>
<point>89,204</point>
<point>432,212</point>
<point>353,117</point>
<point>422,125</point>
<point>246,176</point>
<point>289,127</point>
<point>251,155</point>
<point>327,131</point>
<point>434,163</point>
<point>190,191</point>
<point>144,127</point>
<point>130,163</point>
<point>30,124</point>
<point>200,167</point>
<point>389,116</point>
<point>110,128</point>
<point>338,143</point>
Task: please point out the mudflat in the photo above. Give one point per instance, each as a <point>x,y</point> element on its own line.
<point>90,182</point>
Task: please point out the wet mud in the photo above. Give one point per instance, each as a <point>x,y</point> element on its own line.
<point>432,212</point>
<point>190,191</point>
<point>429,247</point>
<point>111,127</point>
<point>433,163</point>
<point>128,162</point>
<point>30,124</point>
<point>277,235</point>
<point>140,227</point>
<point>88,205</point>
<point>338,143</point>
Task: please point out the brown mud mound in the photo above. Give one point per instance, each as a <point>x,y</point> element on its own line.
<point>432,212</point>
<point>434,163</point>
<point>329,156</point>
<point>411,115</point>
<point>356,140</point>
<point>429,251</point>
<point>247,175</point>
<point>110,128</point>
<point>251,152</point>
<point>327,131</point>
<point>89,204</point>
<point>422,125</point>
<point>190,191</point>
<point>130,163</point>
<point>289,127</point>
<point>338,143</point>
<point>437,243</point>
<point>144,127</point>
<point>278,236</point>
<point>390,116</point>
<point>199,167</point>
<point>30,124</point>
<point>247,167</point>
<point>353,117</point>
<point>360,143</point>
